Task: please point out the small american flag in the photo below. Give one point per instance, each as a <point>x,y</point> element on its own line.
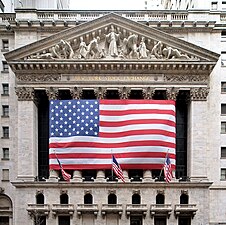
<point>65,175</point>
<point>117,169</point>
<point>167,169</point>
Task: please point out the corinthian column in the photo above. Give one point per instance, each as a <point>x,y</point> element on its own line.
<point>27,134</point>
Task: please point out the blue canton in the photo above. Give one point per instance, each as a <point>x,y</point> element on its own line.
<point>74,118</point>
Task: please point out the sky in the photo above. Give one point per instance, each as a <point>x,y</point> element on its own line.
<point>106,4</point>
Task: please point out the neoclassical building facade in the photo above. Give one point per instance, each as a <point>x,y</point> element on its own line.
<point>112,55</point>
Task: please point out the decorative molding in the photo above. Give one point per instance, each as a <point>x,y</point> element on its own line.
<point>112,191</point>
<point>25,93</point>
<point>124,92</point>
<point>199,93</point>
<point>171,93</point>
<point>162,192</point>
<point>38,77</point>
<point>76,92</point>
<point>39,192</point>
<point>186,78</point>
<point>100,92</point>
<point>2,190</point>
<point>136,192</point>
<point>52,93</point>
<point>63,192</point>
<point>148,92</point>
<point>87,192</point>
<point>184,192</point>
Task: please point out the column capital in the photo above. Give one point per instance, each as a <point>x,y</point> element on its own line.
<point>100,92</point>
<point>25,93</point>
<point>199,93</point>
<point>52,93</point>
<point>171,93</point>
<point>148,92</point>
<point>76,92</point>
<point>124,92</point>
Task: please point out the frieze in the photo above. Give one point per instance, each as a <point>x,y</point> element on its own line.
<point>38,77</point>
<point>25,93</point>
<point>199,93</point>
<point>112,42</point>
<point>186,78</point>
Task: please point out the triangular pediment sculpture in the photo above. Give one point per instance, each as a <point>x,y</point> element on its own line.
<point>111,37</point>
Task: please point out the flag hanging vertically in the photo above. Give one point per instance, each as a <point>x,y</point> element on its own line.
<point>83,133</point>
<point>117,169</point>
<point>65,175</point>
<point>168,169</point>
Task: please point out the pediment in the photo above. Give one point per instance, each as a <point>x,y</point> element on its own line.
<point>111,38</point>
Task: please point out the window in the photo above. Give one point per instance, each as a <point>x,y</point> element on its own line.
<point>40,199</point>
<point>5,132</point>
<point>136,199</point>
<point>5,88</point>
<point>160,221</point>
<point>223,5</point>
<point>5,45</point>
<point>223,127</point>
<point>112,199</point>
<point>4,220</point>
<point>64,199</point>
<point>88,199</point>
<point>5,175</point>
<point>136,220</point>
<point>223,109</point>
<point>40,220</point>
<point>64,220</point>
<point>184,199</point>
<point>223,174</point>
<point>5,110</point>
<point>184,221</point>
<point>214,5</point>
<point>223,87</point>
<point>160,199</point>
<point>223,152</point>
<point>5,153</point>
<point>5,66</point>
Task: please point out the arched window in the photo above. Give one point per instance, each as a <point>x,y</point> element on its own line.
<point>64,199</point>
<point>40,198</point>
<point>6,203</point>
<point>184,199</point>
<point>112,199</point>
<point>88,199</point>
<point>160,199</point>
<point>136,199</point>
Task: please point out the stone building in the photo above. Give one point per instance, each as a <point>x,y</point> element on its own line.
<point>43,59</point>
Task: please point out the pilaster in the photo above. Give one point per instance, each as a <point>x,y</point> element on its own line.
<point>197,133</point>
<point>27,134</point>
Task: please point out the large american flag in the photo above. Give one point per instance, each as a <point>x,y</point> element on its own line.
<point>85,133</point>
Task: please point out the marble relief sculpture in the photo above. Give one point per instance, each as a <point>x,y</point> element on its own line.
<point>113,45</point>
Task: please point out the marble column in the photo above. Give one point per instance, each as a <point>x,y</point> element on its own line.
<point>197,134</point>
<point>27,134</point>
<point>52,94</point>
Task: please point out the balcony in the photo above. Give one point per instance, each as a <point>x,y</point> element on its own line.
<point>160,210</point>
<point>63,209</point>
<point>136,209</point>
<point>40,209</point>
<point>111,209</point>
<point>185,210</point>
<point>87,208</point>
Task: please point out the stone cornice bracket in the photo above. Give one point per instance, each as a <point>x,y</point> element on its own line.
<point>25,93</point>
<point>2,190</point>
<point>171,93</point>
<point>76,93</point>
<point>100,92</point>
<point>148,92</point>
<point>124,92</point>
<point>199,94</point>
<point>52,93</point>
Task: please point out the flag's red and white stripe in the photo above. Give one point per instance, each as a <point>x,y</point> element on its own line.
<point>138,132</point>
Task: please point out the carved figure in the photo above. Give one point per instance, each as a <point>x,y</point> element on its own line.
<point>172,53</point>
<point>142,49</point>
<point>130,45</point>
<point>112,39</point>
<point>156,51</point>
<point>93,48</point>
<point>63,50</point>
<point>82,49</point>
